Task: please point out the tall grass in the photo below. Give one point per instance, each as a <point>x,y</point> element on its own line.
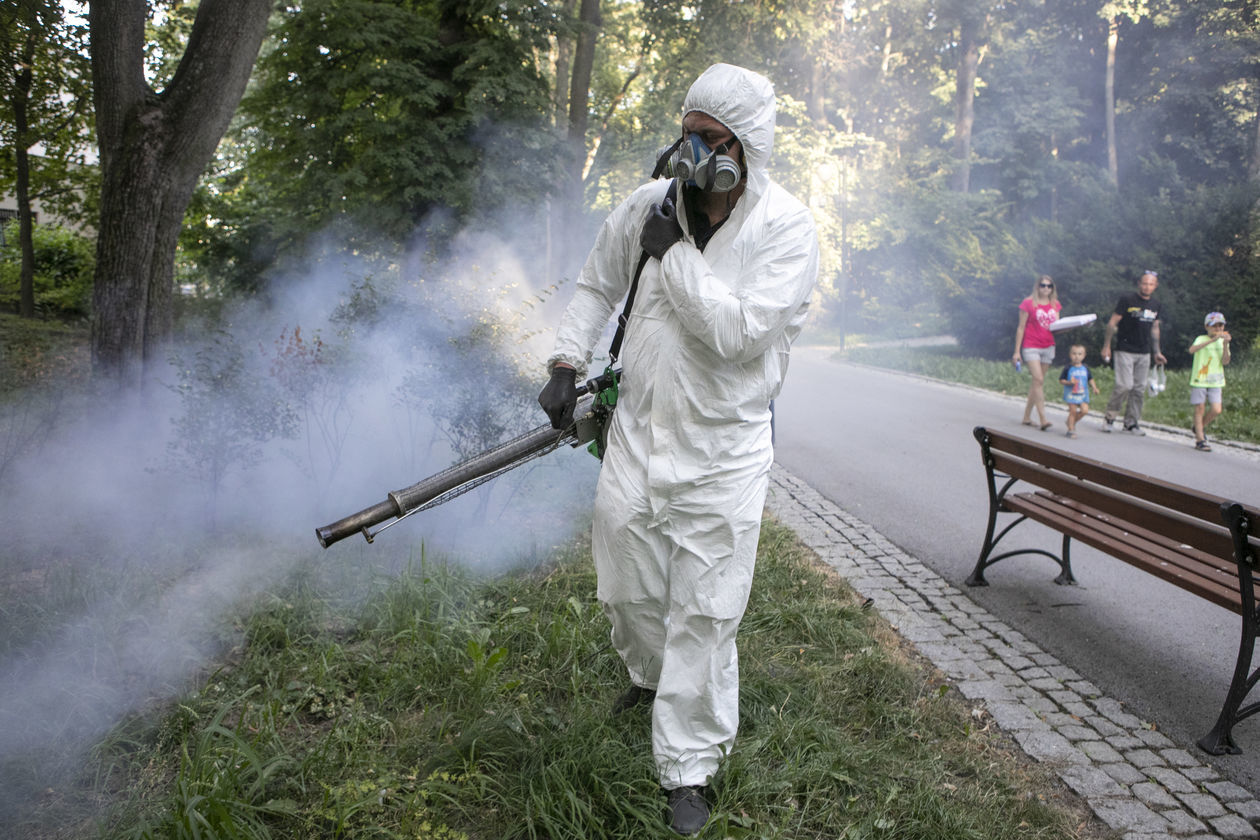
<point>1241,396</point>
<point>452,707</point>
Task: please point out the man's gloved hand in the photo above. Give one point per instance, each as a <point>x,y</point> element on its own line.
<point>661,229</point>
<point>559,397</point>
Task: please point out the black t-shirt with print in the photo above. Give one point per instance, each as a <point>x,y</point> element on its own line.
<point>1137,314</point>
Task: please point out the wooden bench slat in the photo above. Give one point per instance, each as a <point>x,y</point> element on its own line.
<point>1117,540</point>
<point>1212,538</point>
<point>1203,506</point>
<point>1192,554</point>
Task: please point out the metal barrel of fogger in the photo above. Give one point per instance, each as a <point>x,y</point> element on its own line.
<point>400,502</point>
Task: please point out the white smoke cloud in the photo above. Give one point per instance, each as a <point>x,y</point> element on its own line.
<point>139,525</point>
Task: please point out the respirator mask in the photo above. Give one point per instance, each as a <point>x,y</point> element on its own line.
<point>689,159</point>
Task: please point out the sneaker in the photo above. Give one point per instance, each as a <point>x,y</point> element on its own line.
<point>1135,429</point>
<point>1108,424</point>
<point>635,695</point>
<point>1202,445</point>
<point>688,810</point>
<point>1070,433</point>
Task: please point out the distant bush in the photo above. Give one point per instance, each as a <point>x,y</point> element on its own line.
<point>64,265</point>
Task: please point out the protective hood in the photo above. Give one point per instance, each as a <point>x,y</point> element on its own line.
<point>743,101</point>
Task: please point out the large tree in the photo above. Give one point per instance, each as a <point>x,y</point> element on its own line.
<point>153,147</point>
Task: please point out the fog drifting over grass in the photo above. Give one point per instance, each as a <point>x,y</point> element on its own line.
<point>143,523</point>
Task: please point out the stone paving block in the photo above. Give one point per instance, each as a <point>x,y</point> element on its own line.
<point>1183,823</point>
<point>1171,779</point>
<point>1202,804</point>
<point>1248,809</point>
<point>1091,781</point>
<point>1025,667</point>
<point>1178,757</point>
<point>984,690</point>
<point>1105,727</point>
<point>1143,758</point>
<point>1157,740</point>
<point>1080,710</point>
<point>1064,673</point>
<point>1231,825</point>
<point>1076,732</point>
<point>1124,773</point>
<point>1015,717</point>
<point>1041,705</point>
<point>1058,720</point>
<point>1100,751</point>
<point>1228,791</point>
<point>1124,813</point>
<point>1048,684</point>
<point>1049,747</point>
<point>1085,688</point>
<point>922,633</point>
<point>1125,742</point>
<point>1155,796</point>
<point>1202,773</point>
<point>1142,835</point>
<point>1064,697</point>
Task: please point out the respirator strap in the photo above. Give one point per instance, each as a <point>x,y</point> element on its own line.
<point>663,160</point>
<point>614,350</point>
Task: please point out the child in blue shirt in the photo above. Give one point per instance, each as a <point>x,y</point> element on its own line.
<point>1077,382</point>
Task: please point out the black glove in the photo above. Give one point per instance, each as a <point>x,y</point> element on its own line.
<point>559,397</point>
<point>661,230</point>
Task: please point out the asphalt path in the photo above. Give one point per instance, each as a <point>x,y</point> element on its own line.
<point>897,452</point>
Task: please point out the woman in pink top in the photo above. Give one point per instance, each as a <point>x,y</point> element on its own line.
<point>1034,343</point>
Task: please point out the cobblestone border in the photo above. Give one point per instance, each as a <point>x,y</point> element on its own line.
<point>1134,778</point>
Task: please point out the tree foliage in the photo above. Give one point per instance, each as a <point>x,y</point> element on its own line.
<point>382,122</point>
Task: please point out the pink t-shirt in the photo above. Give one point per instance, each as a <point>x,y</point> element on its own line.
<point>1040,317</point>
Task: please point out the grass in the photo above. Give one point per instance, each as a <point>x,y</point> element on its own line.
<point>1241,397</point>
<point>426,703</point>
<point>446,706</point>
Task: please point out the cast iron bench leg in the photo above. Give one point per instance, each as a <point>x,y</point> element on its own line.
<point>1220,741</point>
<point>1066,578</point>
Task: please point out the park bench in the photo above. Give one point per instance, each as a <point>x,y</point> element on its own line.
<point>1202,543</point>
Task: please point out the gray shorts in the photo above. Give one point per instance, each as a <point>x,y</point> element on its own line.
<point>1045,355</point>
<point>1198,396</point>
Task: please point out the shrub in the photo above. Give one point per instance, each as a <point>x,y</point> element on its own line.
<point>64,264</point>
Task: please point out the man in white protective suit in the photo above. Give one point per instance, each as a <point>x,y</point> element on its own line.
<point>679,501</point>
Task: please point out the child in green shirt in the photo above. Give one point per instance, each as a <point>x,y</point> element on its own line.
<point>1207,377</point>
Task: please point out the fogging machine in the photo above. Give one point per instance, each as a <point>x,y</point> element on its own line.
<point>593,411</point>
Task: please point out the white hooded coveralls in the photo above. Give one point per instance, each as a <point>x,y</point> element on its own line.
<point>680,494</point>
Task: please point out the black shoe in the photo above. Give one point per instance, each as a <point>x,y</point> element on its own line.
<point>635,695</point>
<point>688,810</point>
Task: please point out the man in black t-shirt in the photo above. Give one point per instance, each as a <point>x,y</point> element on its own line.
<point>1135,325</point>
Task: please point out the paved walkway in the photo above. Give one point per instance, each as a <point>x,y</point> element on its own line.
<point>1134,778</point>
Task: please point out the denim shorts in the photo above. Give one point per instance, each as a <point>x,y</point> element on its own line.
<point>1045,355</point>
<point>1198,396</point>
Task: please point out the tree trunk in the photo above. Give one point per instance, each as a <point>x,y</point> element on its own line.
<point>22,164</point>
<point>1253,169</point>
<point>965,95</point>
<point>568,208</point>
<point>564,49</point>
<point>580,90</point>
<point>1113,38</point>
<point>153,148</point>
